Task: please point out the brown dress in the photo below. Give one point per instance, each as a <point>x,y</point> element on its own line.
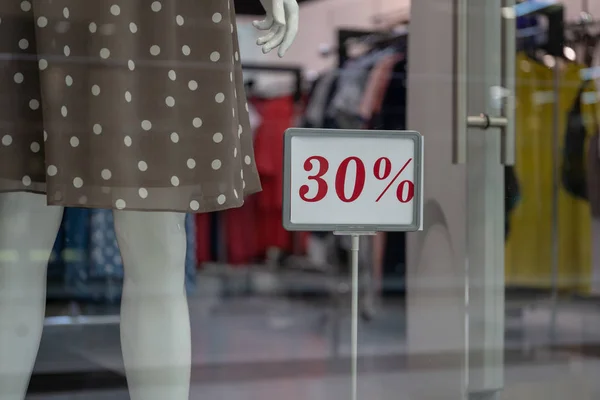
<point>126,104</point>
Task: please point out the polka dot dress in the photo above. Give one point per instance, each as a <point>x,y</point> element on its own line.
<point>135,104</point>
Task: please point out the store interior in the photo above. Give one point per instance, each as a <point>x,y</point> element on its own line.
<point>270,309</point>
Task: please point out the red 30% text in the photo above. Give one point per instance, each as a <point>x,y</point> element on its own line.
<point>382,170</point>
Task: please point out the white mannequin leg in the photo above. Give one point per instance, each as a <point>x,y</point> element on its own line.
<point>155,324</point>
<point>27,233</point>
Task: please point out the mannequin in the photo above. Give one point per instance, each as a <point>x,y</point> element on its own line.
<point>155,326</point>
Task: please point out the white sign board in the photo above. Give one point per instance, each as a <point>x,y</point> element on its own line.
<point>352,180</point>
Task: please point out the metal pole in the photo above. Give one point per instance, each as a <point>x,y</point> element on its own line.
<point>354,329</point>
<point>555,192</point>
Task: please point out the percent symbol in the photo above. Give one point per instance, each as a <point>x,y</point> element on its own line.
<point>387,171</point>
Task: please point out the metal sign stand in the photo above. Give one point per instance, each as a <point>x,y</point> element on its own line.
<point>354,248</point>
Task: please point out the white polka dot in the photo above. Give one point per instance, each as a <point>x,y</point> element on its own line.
<point>42,22</point>
<point>67,51</point>
<point>143,166</point>
<point>106,174</point>
<point>97,129</point>
<point>156,6</point>
<point>235,193</point>
<point>64,111</point>
<point>26,180</point>
<point>193,85</point>
<point>68,80</point>
<point>35,147</point>
<point>83,200</point>
<point>96,90</point>
<point>155,50</point>
<point>93,27</point>
<point>128,96</point>
<point>66,12</point>
<point>247,107</point>
<point>233,112</point>
<point>78,182</point>
<point>120,204</point>
<point>197,122</point>
<point>219,97</point>
<point>115,9</point>
<point>231,27</point>
<point>105,53</point>
<point>131,65</point>
<point>172,75</point>
<point>74,141</point>
<point>240,130</point>
<point>247,160</point>
<point>191,163</point>
<point>174,181</point>
<point>243,184</point>
<point>52,170</point>
<point>45,136</point>
<point>143,193</point>
<point>221,199</point>
<point>179,19</point>
<point>216,164</point>
<point>194,205</point>
<point>43,64</point>
<point>127,140</point>
<point>186,50</point>
<point>133,27</point>
<point>231,76</point>
<point>146,125</point>
<point>7,140</point>
<point>34,104</point>
<point>214,56</point>
<point>218,137</point>
<point>234,152</point>
<point>170,101</point>
<point>25,6</point>
<point>217,17</point>
<point>174,137</point>
<point>237,56</point>
<point>23,44</point>
<point>19,78</point>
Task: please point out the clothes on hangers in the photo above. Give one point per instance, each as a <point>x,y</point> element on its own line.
<point>529,248</point>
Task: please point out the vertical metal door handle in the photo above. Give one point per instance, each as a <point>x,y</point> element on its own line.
<point>459,142</point>
<point>509,51</point>
<point>461,120</point>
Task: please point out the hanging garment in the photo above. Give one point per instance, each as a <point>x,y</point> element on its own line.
<point>573,167</point>
<point>277,115</point>
<point>376,87</point>
<point>529,254</point>
<point>125,104</point>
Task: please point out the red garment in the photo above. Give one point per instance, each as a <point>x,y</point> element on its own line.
<point>240,231</point>
<point>277,116</point>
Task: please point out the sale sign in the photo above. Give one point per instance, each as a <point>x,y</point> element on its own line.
<point>340,180</point>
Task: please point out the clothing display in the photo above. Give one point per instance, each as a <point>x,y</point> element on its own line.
<point>530,247</point>
<point>246,234</point>
<point>125,105</point>
<point>368,92</point>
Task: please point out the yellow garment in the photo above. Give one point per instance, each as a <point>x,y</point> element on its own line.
<point>529,248</point>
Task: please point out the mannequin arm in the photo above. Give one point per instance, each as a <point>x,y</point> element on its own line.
<point>281,22</point>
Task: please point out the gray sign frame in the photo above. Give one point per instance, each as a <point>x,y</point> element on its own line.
<point>341,133</point>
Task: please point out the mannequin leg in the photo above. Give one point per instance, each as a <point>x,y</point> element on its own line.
<point>155,324</point>
<point>27,233</point>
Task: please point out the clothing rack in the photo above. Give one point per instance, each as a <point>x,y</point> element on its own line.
<point>377,37</point>
<point>296,71</point>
